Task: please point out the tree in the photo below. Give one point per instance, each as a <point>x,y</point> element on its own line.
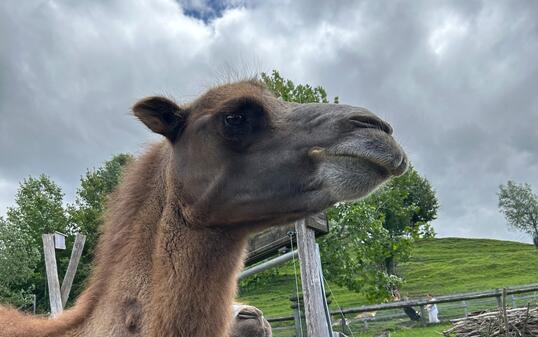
<point>519,205</point>
<point>289,92</point>
<point>86,214</point>
<point>368,238</point>
<point>39,209</point>
<point>408,204</point>
<point>355,249</point>
<point>18,260</point>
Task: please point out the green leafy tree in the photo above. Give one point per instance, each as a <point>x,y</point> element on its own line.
<point>290,92</point>
<point>355,249</point>
<point>38,209</point>
<point>370,237</point>
<point>408,204</point>
<point>86,214</point>
<point>519,205</point>
<point>19,256</point>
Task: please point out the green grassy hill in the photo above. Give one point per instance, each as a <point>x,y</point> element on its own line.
<point>439,266</point>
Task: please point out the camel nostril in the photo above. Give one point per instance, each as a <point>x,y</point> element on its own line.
<point>371,122</point>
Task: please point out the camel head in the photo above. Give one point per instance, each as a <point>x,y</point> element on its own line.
<point>240,156</point>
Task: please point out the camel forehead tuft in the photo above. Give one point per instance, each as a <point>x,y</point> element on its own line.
<point>222,93</point>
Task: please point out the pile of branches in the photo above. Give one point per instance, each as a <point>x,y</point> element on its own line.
<point>521,322</point>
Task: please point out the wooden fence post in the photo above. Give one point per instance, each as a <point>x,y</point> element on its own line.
<point>58,295</point>
<point>498,298</point>
<point>72,267</point>
<point>55,296</point>
<point>316,323</point>
<point>505,316</point>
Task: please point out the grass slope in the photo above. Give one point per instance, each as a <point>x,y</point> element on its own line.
<point>440,266</point>
<point>429,331</point>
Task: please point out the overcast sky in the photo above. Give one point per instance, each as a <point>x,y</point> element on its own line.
<point>457,80</point>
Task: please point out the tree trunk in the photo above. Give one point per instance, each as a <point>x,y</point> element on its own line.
<point>535,240</point>
<point>390,265</point>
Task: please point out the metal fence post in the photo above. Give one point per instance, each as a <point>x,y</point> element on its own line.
<point>423,320</point>
<point>296,306</point>
<point>344,326</point>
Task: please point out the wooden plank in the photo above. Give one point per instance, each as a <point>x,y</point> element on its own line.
<point>67,282</point>
<point>55,297</point>
<point>267,243</point>
<point>316,323</point>
<point>318,222</point>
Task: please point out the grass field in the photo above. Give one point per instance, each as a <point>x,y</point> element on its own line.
<point>439,266</point>
<point>431,331</point>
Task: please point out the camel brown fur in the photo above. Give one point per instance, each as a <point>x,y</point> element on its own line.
<point>234,161</point>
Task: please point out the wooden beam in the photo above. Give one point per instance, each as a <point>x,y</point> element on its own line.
<point>267,243</point>
<point>55,297</point>
<point>67,282</point>
<point>316,323</point>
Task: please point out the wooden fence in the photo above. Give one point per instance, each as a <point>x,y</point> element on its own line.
<point>461,301</point>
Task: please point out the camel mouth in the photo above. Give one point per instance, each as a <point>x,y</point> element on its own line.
<point>395,167</point>
<point>247,315</point>
<point>402,167</point>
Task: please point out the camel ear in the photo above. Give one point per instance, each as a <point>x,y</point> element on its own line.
<point>161,115</point>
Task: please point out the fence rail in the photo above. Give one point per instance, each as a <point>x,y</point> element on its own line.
<point>496,293</point>
<point>493,293</point>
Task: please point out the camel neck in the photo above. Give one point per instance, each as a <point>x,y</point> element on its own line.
<point>156,273</point>
<point>194,281</point>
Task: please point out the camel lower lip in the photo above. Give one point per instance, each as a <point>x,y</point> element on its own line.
<point>393,170</point>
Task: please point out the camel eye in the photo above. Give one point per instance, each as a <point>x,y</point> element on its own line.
<point>234,120</point>
<point>240,122</point>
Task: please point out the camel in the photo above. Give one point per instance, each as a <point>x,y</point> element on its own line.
<point>232,162</point>
<point>249,322</point>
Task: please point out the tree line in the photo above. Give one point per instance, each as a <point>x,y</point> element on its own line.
<point>38,209</point>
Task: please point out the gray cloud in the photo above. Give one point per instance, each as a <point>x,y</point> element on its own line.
<point>456,79</point>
